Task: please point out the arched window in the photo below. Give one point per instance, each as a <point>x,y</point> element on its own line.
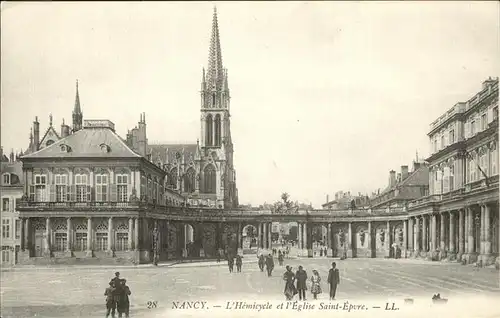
<point>172,178</point>
<point>189,181</point>
<point>217,130</point>
<point>210,179</point>
<point>209,131</point>
<point>213,100</point>
<point>49,142</point>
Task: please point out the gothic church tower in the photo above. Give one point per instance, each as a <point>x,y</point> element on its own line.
<point>216,143</point>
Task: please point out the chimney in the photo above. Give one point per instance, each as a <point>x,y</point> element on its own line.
<point>142,141</point>
<point>398,179</point>
<point>416,166</point>
<point>404,172</point>
<point>11,156</point>
<point>327,198</point>
<point>392,178</point>
<point>36,134</point>
<point>1,153</point>
<point>64,130</point>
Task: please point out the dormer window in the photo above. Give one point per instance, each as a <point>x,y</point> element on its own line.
<point>65,148</point>
<point>6,178</point>
<point>49,142</point>
<point>105,148</point>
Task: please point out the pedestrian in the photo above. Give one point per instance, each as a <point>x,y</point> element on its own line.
<point>333,280</point>
<point>321,252</point>
<point>230,263</point>
<point>269,265</point>
<point>262,262</point>
<point>301,278</point>
<point>123,304</point>
<point>116,280</point>
<point>315,284</point>
<point>326,251</point>
<point>110,300</point>
<point>239,262</point>
<point>217,255</point>
<point>289,278</point>
<point>280,258</point>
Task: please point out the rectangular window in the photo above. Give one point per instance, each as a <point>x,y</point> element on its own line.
<point>494,161</point>
<point>101,190</point>
<point>435,145</point>
<point>484,122</point>
<point>6,228</point>
<point>81,187</point>
<point>452,137</point>
<point>101,241</point>
<point>18,229</point>
<point>472,128</point>
<point>6,179</point>
<point>122,187</point>
<point>61,242</point>
<point>5,204</point>
<point>41,194</point>
<point>443,142</point>
<point>81,242</point>
<point>61,187</point>
<point>5,255</point>
<point>495,113</point>
<point>121,241</point>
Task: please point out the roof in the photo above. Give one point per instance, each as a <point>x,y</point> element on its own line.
<point>87,143</point>
<point>50,132</point>
<point>167,152</point>
<point>15,168</point>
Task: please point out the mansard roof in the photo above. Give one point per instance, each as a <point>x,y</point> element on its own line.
<point>96,142</point>
<point>16,171</point>
<point>167,153</point>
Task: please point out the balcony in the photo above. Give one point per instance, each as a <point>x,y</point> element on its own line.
<point>30,205</point>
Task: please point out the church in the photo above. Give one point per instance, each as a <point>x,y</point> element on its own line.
<point>203,171</point>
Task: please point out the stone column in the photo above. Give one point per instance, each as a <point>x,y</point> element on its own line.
<point>487,231</point>
<point>136,234</point>
<point>90,239</point>
<point>299,234</point>
<point>23,235</point>
<point>265,236</point>
<point>451,237</point>
<point>48,232</point>
<point>405,239</point>
<point>425,237</point>
<point>388,240</point>
<point>329,250</point>
<point>442,236</point>
<point>461,238</point>
<point>69,237</point>
<point>349,241</point>
<point>306,238</point>
<point>110,235</point>
<point>410,231</point>
<point>369,239</point>
<point>240,240</point>
<point>482,235</point>
<point>433,233</point>
<point>130,233</point>
<point>27,230</point>
<point>416,237</point>
<point>470,233</point>
<point>269,236</point>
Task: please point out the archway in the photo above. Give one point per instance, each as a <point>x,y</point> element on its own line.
<point>249,243</point>
<point>319,240</point>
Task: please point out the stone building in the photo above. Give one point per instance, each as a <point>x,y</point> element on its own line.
<point>459,217</point>
<point>11,191</point>
<point>344,200</point>
<point>404,187</point>
<point>204,170</point>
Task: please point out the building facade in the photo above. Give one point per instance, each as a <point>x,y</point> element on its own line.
<point>459,217</point>
<point>11,191</point>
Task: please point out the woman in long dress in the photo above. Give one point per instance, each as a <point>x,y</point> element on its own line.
<point>315,286</point>
<point>289,278</point>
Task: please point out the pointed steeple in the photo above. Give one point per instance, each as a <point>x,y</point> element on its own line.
<point>215,69</point>
<point>77,112</point>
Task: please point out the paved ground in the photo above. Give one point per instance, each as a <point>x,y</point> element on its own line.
<point>78,292</point>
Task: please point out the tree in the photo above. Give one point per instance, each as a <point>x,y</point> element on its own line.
<point>285,205</point>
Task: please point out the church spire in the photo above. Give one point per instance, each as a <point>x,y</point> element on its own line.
<point>77,112</point>
<point>215,69</point>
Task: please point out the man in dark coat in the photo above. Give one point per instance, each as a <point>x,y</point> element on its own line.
<point>239,262</point>
<point>301,278</point>
<point>123,304</point>
<point>333,280</point>
<point>110,300</point>
<point>230,263</point>
<point>262,262</point>
<point>269,264</point>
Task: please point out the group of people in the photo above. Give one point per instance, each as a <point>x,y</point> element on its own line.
<point>117,297</point>
<point>231,260</point>
<point>296,283</point>
<point>267,262</point>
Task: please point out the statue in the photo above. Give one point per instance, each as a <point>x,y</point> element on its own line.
<point>362,236</point>
<point>382,237</point>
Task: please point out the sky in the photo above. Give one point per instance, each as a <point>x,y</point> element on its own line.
<point>325,96</point>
